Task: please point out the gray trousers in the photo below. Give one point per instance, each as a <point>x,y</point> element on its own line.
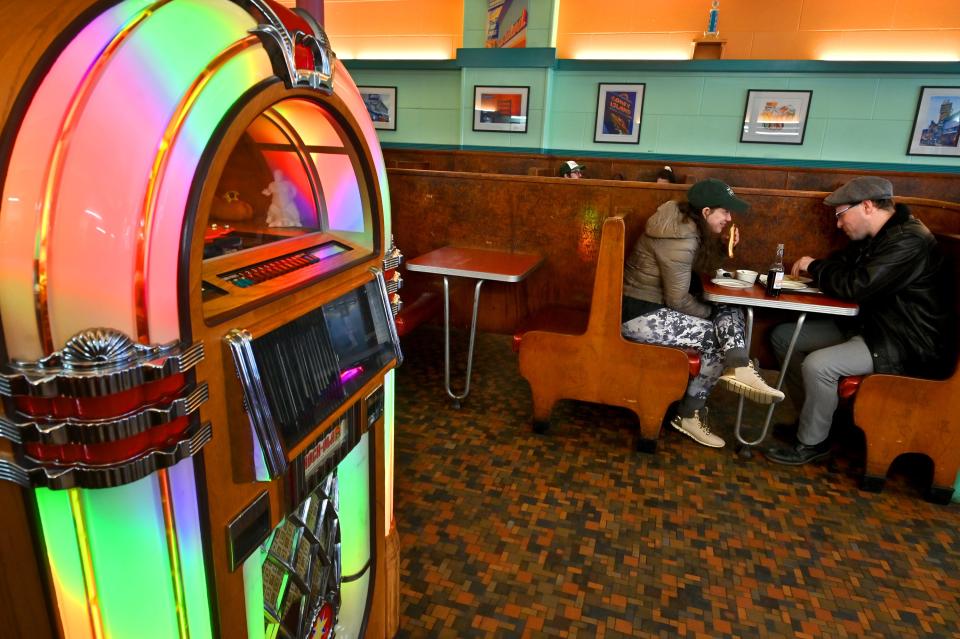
<point>821,357</point>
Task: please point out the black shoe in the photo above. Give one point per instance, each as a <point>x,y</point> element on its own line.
<point>798,454</point>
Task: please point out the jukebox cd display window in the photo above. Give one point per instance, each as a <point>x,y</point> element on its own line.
<point>309,366</point>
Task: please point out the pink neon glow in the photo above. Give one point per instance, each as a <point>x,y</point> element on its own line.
<point>342,193</point>
<point>288,163</point>
<point>161,276</point>
<point>345,88</point>
<point>23,190</point>
<point>118,136</point>
<point>350,373</point>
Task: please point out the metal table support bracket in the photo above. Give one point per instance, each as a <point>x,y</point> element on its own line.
<point>446,340</point>
<point>747,445</point>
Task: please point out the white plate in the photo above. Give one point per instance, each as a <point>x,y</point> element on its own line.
<point>729,282</point>
<point>792,285</point>
<point>800,279</point>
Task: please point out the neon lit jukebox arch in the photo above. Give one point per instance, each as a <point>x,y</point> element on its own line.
<point>198,335</point>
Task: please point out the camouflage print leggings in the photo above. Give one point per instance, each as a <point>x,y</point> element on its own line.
<point>713,337</point>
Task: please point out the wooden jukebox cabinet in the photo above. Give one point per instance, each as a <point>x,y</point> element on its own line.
<point>198,336</point>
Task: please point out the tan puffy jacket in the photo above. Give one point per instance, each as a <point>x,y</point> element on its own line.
<point>660,266</point>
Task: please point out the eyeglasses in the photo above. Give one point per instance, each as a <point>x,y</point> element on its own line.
<point>844,210</point>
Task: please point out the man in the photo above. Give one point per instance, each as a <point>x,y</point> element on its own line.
<point>570,169</point>
<point>893,269</point>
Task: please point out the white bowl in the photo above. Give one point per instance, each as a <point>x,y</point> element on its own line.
<point>746,275</point>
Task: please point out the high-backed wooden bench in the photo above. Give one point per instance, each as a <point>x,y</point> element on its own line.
<point>599,365</point>
<point>911,415</point>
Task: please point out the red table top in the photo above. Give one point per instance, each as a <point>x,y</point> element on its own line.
<point>482,264</point>
<point>756,296</point>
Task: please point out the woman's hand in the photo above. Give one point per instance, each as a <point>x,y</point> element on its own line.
<point>733,238</point>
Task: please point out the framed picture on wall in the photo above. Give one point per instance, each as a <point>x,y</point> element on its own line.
<point>936,126</point>
<point>775,117</point>
<point>381,105</point>
<point>619,112</point>
<point>500,109</point>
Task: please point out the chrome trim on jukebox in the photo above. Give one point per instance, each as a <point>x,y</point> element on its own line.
<point>248,530</point>
<point>258,409</point>
<point>321,75</point>
<point>71,430</point>
<point>395,283</point>
<point>31,473</point>
<point>392,260</point>
<point>388,309</point>
<point>97,362</point>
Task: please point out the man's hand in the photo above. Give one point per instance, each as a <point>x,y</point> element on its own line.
<point>801,265</point>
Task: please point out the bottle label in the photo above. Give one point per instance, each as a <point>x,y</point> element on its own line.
<point>778,280</point>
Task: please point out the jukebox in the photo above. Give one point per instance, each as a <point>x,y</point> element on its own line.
<point>197,330</point>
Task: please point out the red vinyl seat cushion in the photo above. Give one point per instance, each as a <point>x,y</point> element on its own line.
<point>849,385</point>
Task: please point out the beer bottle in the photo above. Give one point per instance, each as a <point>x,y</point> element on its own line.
<point>775,274</point>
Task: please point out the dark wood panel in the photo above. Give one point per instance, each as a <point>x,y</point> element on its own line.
<point>939,186</point>
<point>561,220</point>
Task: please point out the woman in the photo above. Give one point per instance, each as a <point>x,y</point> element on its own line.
<point>661,306</point>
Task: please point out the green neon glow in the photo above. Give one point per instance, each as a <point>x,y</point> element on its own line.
<point>353,477</point>
<point>60,537</point>
<point>190,541</point>
<point>253,593</point>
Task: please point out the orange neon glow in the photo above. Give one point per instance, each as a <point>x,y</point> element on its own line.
<point>86,563</point>
<point>55,169</point>
<point>173,549</point>
<point>160,165</point>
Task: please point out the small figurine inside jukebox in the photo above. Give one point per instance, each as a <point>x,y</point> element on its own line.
<point>198,335</point>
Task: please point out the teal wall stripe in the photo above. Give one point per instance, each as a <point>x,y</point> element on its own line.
<point>762,66</point>
<point>695,159</point>
<point>539,57</point>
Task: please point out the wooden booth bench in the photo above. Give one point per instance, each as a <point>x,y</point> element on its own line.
<point>900,414</point>
<point>569,355</point>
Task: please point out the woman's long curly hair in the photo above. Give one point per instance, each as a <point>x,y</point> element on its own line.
<point>712,251</point>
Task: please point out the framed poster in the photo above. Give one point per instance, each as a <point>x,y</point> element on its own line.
<point>936,126</point>
<point>775,117</point>
<point>619,111</point>
<point>381,105</point>
<point>500,109</point>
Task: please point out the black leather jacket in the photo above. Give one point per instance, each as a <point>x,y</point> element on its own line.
<point>899,280</point>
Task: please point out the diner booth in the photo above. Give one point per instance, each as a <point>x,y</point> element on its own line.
<point>198,339</point>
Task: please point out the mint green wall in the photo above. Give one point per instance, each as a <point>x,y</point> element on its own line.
<point>428,104</point>
<point>855,118</point>
<point>541,25</point>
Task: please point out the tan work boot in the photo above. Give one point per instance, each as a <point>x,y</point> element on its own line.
<point>746,381</point>
<point>696,427</point>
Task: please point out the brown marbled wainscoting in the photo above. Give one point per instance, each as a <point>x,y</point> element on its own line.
<point>938,186</point>
<point>561,220</point>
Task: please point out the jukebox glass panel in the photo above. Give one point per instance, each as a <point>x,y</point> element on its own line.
<point>292,203</point>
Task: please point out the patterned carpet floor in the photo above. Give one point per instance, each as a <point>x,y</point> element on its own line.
<point>506,533</point>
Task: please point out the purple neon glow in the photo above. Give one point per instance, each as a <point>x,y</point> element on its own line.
<point>350,373</point>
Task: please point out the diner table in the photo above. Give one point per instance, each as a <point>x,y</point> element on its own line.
<point>808,300</point>
<point>481,265</point>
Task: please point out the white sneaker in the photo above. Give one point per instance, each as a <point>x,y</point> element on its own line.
<point>696,427</point>
<point>746,381</point>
